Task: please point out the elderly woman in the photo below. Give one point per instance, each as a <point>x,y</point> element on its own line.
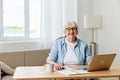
<point>69,50</point>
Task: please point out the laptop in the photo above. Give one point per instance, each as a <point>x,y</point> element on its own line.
<point>101,62</point>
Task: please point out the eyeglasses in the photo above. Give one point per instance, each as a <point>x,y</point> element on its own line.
<point>68,29</point>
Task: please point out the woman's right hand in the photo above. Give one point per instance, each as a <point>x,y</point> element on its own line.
<point>58,66</point>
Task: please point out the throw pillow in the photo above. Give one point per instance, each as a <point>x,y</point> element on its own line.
<point>5,68</point>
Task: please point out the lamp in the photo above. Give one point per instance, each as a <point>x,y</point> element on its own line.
<point>92,22</point>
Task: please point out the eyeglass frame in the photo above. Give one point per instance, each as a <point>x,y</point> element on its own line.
<point>73,28</point>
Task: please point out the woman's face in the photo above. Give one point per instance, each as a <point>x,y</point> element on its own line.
<point>71,31</point>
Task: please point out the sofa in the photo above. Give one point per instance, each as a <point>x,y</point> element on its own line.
<point>21,58</point>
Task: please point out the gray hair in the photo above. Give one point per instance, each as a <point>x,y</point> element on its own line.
<point>71,23</point>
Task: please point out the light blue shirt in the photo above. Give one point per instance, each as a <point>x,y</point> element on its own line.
<point>59,48</point>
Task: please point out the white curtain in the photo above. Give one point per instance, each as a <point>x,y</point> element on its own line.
<point>55,14</point>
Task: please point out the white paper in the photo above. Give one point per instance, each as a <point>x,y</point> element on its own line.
<point>69,71</point>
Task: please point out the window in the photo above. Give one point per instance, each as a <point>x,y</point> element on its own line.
<point>13,18</point>
<point>21,19</point>
<point>35,19</point>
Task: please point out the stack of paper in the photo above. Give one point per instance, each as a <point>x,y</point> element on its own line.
<point>69,71</point>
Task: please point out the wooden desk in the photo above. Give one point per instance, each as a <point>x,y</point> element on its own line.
<point>38,73</point>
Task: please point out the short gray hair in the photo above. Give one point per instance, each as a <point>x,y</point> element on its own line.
<point>71,23</point>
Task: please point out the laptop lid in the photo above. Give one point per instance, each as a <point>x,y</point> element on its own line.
<point>101,62</point>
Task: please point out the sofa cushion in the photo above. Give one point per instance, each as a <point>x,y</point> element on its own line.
<point>36,57</point>
<point>6,69</point>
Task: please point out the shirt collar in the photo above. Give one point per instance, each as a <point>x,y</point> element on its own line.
<point>63,41</point>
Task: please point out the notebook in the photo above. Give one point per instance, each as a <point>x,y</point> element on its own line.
<point>101,62</point>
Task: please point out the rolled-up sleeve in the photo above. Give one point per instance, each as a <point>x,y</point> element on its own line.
<point>53,52</point>
<point>88,55</point>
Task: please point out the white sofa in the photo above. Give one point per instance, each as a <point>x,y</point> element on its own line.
<point>23,58</point>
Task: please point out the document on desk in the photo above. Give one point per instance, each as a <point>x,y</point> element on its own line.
<point>69,71</point>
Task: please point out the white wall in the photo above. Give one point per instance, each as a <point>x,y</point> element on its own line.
<point>108,38</point>
<point>84,6</point>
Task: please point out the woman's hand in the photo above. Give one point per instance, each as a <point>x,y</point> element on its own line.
<point>89,62</point>
<point>58,66</point>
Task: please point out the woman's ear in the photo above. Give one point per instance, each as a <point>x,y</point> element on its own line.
<point>77,31</point>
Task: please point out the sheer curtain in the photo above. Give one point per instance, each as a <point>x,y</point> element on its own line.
<point>55,14</point>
